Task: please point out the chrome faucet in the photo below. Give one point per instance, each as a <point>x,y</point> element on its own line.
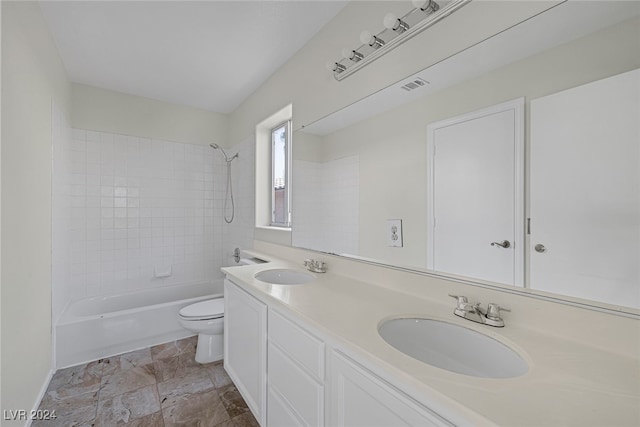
<point>315,265</point>
<point>475,313</point>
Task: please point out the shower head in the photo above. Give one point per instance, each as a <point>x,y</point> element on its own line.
<point>226,158</point>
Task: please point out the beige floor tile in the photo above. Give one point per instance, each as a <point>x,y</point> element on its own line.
<point>176,348</point>
<point>233,401</point>
<point>177,366</point>
<point>123,381</point>
<point>123,362</point>
<point>218,375</point>
<point>86,373</point>
<point>127,407</point>
<point>78,417</point>
<point>246,419</point>
<point>201,409</point>
<point>177,390</point>
<point>153,420</point>
<point>153,387</point>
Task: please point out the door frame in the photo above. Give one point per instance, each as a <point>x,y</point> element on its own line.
<point>518,107</point>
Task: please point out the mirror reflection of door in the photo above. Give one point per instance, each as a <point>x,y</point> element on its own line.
<point>585,191</point>
<point>475,194</point>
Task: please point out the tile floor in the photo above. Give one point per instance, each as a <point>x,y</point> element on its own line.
<point>154,387</point>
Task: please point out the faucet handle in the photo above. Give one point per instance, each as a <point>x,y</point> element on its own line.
<point>493,311</point>
<point>462,300</point>
<point>319,266</point>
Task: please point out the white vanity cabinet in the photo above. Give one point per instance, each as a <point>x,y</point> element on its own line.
<point>295,374</point>
<point>245,346</point>
<point>279,366</point>
<point>360,398</point>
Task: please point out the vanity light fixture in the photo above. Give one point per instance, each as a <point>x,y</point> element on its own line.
<point>373,41</point>
<point>336,67</point>
<point>427,6</point>
<point>396,31</point>
<point>392,22</point>
<point>352,55</point>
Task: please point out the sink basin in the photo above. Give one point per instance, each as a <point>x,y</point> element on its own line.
<point>283,276</point>
<point>452,347</point>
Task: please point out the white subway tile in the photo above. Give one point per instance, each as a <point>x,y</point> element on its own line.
<point>172,213</point>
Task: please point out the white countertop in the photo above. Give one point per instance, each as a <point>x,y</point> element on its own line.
<point>568,383</point>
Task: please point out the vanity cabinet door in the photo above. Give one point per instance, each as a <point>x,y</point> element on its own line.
<point>296,375</point>
<point>360,398</point>
<point>245,347</point>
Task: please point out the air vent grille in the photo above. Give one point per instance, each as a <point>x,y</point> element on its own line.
<point>415,84</point>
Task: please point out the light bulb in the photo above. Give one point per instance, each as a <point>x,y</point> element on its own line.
<point>390,21</point>
<point>427,6</point>
<point>366,37</point>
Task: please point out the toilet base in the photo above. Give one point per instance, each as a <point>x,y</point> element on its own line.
<point>210,348</point>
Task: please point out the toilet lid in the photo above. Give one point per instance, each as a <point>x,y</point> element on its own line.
<point>205,309</point>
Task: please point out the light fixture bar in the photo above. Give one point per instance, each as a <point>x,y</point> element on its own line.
<point>391,38</point>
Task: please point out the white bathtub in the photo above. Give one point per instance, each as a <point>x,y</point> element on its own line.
<point>98,327</point>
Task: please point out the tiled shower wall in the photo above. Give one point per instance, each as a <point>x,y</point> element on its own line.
<point>61,245</point>
<point>239,233</point>
<point>130,210</point>
<point>326,205</point>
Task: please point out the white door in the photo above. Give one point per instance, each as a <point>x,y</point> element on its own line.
<point>245,347</point>
<point>475,194</point>
<point>585,191</point>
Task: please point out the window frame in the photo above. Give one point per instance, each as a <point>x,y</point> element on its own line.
<point>287,175</point>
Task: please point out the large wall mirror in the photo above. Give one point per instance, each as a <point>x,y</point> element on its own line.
<point>514,162</point>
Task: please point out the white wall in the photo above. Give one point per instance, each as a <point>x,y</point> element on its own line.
<point>0,206</point>
<point>32,76</point>
<point>119,113</point>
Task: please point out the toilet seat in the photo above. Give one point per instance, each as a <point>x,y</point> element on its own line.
<point>204,310</point>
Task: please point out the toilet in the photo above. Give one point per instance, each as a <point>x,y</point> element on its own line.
<point>206,318</point>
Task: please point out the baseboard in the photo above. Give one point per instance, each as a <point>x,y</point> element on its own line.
<point>43,390</point>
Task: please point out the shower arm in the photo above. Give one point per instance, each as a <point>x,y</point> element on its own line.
<point>226,158</point>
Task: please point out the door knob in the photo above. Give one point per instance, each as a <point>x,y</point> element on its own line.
<point>540,248</point>
<point>504,244</point>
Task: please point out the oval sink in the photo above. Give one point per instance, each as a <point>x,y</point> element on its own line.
<point>452,347</point>
<point>282,276</point>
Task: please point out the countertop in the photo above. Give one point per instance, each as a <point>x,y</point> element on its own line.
<point>568,382</point>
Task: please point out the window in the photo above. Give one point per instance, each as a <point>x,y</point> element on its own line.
<point>280,175</point>
<point>273,195</point>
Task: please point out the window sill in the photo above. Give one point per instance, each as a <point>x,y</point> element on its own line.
<point>271,227</point>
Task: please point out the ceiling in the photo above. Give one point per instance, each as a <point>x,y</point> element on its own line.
<point>205,54</point>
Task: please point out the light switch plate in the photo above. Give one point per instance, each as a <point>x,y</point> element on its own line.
<point>394,233</point>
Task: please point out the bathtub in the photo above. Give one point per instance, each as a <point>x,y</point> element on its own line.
<point>98,327</point>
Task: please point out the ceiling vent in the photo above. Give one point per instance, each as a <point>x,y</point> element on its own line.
<point>415,84</point>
